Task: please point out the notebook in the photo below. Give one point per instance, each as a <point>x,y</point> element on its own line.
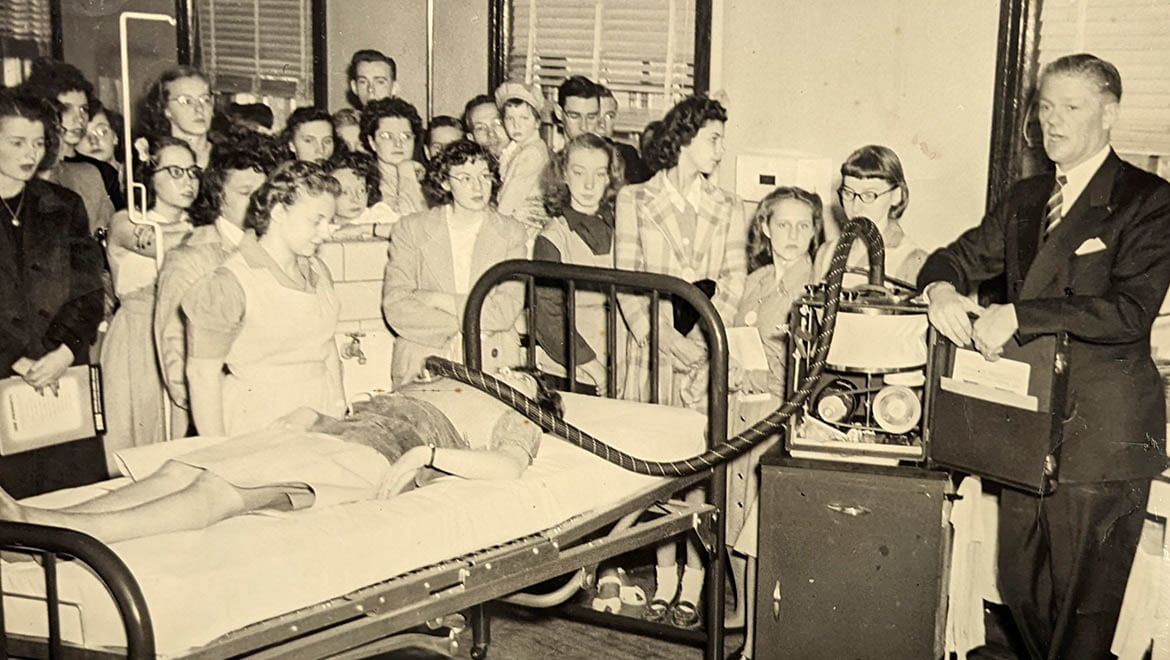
<point>30,420</point>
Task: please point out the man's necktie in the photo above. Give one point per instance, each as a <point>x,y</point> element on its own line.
<point>1055,204</point>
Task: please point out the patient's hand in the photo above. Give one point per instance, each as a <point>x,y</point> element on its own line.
<point>298,420</point>
<point>401,474</point>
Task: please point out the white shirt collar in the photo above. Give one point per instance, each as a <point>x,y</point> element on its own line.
<point>229,232</point>
<point>1079,177</point>
<point>694,193</point>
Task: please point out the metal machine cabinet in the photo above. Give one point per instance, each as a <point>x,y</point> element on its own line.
<point>851,561</point>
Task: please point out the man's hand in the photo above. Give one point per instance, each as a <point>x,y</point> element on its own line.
<point>994,328</point>
<point>948,313</point>
<point>46,371</point>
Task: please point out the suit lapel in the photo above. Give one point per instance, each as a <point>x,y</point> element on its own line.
<point>436,250</point>
<point>1083,221</point>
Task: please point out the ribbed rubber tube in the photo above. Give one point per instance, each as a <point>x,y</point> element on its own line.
<point>774,423</point>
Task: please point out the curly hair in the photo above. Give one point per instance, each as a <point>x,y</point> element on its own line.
<point>285,186</point>
<point>679,127</point>
<point>877,162</point>
<point>144,169</point>
<point>16,103</point>
<point>454,155</point>
<point>365,166</point>
<point>375,111</point>
<point>207,206</point>
<point>759,246</point>
<point>51,78</point>
<point>152,119</point>
<point>554,180</point>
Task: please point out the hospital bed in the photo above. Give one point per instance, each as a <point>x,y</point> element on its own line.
<point>367,577</point>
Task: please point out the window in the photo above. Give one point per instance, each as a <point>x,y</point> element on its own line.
<point>1135,36</point>
<point>25,34</point>
<point>643,50</point>
<point>258,47</point>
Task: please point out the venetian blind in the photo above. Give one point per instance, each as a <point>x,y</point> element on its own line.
<point>261,47</point>
<point>24,34</point>
<point>1135,36</point>
<point>643,50</point>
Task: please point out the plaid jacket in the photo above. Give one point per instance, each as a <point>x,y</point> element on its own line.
<point>647,237</point>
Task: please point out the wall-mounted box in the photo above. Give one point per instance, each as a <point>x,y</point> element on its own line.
<point>757,173</point>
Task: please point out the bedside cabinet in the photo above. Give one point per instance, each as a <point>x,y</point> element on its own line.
<point>852,561</point>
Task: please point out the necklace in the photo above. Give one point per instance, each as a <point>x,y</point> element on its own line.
<point>15,215</point>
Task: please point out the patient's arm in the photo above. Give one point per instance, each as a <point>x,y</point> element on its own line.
<point>507,462</point>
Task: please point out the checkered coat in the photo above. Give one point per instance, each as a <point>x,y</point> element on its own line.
<point>647,237</point>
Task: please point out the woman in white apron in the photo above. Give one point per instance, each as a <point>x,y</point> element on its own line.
<point>260,329</point>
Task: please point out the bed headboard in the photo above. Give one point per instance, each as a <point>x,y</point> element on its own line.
<point>611,282</point>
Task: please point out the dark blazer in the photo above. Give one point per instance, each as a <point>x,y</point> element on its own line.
<point>1105,299</point>
<point>50,282</point>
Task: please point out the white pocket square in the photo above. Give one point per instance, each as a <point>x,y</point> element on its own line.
<point>1090,246</point>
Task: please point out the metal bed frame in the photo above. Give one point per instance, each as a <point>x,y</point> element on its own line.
<point>391,614</point>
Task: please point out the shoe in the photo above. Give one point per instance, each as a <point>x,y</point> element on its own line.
<point>685,614</point>
<point>617,594</point>
<point>657,611</point>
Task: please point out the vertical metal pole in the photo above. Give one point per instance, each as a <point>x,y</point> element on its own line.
<point>571,333</point>
<point>611,326</point>
<point>653,346</point>
<point>184,43</point>
<point>431,66</point>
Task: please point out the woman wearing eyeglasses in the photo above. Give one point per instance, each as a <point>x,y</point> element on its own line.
<point>873,186</point>
<point>136,245</point>
<point>180,104</point>
<point>390,127</point>
<point>260,328</point>
<point>435,258</point>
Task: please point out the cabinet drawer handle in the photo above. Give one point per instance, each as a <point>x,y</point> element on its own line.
<point>854,510</point>
<point>776,601</point>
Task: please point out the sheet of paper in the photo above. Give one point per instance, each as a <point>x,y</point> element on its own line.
<point>1002,397</point>
<point>1002,374</point>
<point>34,415</point>
<point>745,347</point>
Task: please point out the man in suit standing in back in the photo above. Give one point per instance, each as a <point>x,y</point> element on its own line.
<point>1085,250</point>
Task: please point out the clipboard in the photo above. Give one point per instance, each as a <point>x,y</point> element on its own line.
<point>1013,439</point>
<point>29,420</point>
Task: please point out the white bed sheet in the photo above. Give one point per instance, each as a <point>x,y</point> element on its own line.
<point>201,585</point>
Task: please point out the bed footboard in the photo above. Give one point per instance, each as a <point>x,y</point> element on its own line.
<point>655,287</point>
<point>50,544</point>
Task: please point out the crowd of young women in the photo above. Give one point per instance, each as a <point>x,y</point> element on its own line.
<point>226,316</point>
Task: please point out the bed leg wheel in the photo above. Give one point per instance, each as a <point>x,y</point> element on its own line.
<point>479,651</point>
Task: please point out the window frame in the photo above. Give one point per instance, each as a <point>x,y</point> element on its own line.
<point>499,36</point>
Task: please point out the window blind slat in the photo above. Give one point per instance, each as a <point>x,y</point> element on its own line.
<point>258,46</point>
<point>630,56</point>
<point>1135,36</point>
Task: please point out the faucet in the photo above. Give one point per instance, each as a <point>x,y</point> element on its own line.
<point>354,348</point>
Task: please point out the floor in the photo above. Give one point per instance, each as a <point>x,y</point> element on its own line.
<point>532,634</point>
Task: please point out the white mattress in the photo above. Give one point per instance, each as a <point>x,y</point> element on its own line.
<point>200,585</point>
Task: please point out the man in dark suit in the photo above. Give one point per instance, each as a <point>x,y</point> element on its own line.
<point>1085,252</point>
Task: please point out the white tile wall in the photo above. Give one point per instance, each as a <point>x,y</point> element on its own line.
<point>357,268</point>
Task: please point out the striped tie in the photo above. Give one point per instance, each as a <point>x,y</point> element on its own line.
<point>1055,204</point>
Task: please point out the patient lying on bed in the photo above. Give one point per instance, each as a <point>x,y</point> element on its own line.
<point>387,445</point>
